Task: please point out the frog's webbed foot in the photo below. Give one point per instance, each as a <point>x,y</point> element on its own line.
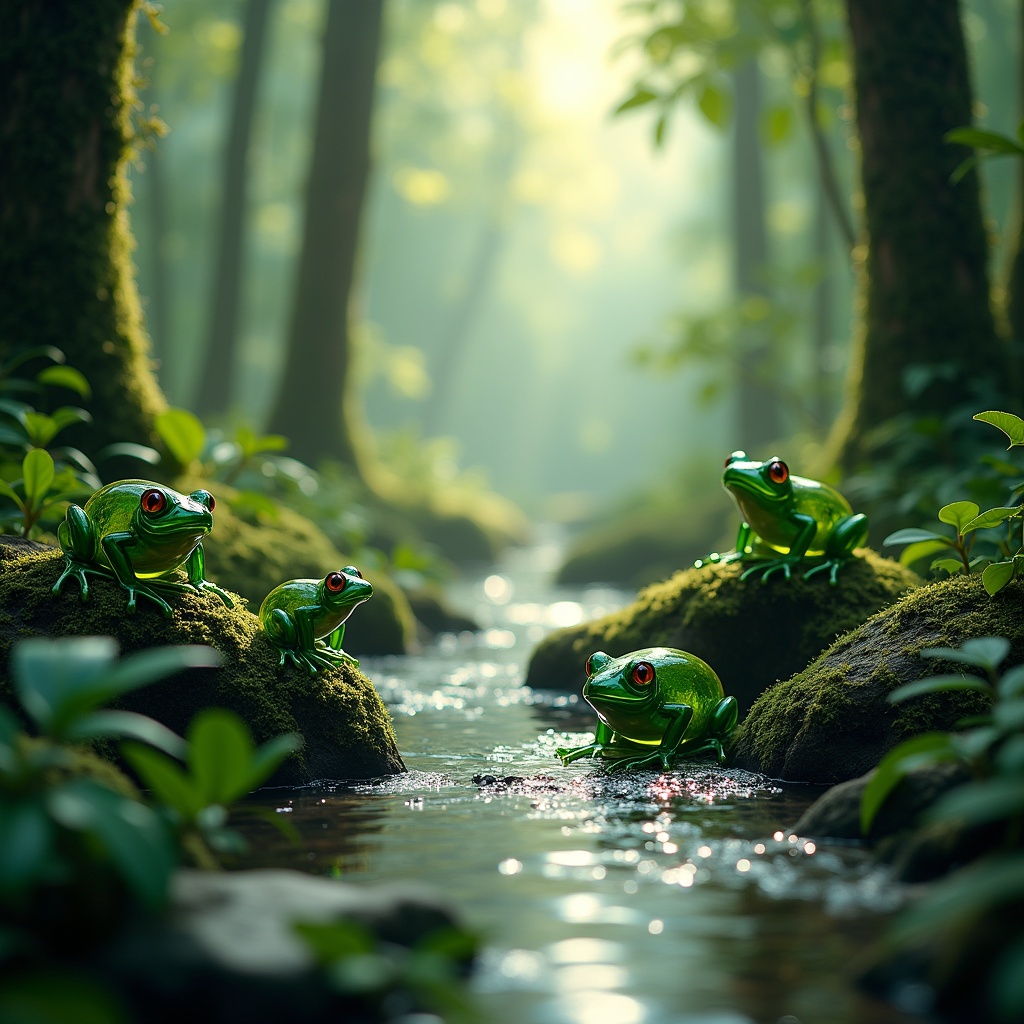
<point>148,591</point>
<point>78,570</point>
<point>317,659</point>
<point>712,745</point>
<point>200,586</point>
<point>717,558</point>
<point>335,655</point>
<point>569,754</point>
<point>833,565</point>
<point>656,758</point>
<point>773,565</point>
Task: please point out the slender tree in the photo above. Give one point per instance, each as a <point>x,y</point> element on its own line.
<point>312,406</point>
<point>222,340</point>
<point>924,283</point>
<point>66,279</point>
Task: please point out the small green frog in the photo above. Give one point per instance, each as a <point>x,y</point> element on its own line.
<point>138,533</point>
<point>788,519</point>
<point>296,616</point>
<point>655,706</point>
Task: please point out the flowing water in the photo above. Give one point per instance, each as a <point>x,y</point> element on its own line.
<point>681,898</point>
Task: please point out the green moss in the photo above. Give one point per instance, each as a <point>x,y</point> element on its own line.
<point>251,556</point>
<point>66,276</point>
<point>751,633</point>
<point>832,721</point>
<point>346,728</point>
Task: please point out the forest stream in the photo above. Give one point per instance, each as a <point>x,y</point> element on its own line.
<point>626,899</point>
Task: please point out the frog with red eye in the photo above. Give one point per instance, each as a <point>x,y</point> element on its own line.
<point>139,533</point>
<point>654,707</point>
<point>297,615</point>
<point>788,519</point>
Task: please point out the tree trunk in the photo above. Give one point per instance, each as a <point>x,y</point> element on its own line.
<point>312,407</point>
<point>219,372</point>
<point>1015,261</point>
<point>925,289</point>
<point>759,421</point>
<point>66,276</point>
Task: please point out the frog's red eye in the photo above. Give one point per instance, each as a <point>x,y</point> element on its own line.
<point>211,503</point>
<point>153,501</point>
<point>335,582</point>
<point>778,471</point>
<point>643,673</point>
<point>589,668</point>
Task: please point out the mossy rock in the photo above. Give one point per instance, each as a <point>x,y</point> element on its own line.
<point>251,556</point>
<point>347,731</point>
<point>752,633</point>
<point>832,721</point>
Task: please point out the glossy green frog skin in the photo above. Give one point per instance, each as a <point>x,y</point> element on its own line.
<point>788,519</point>
<point>297,615</point>
<point>654,707</point>
<point>138,532</point>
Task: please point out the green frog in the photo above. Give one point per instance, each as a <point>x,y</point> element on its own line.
<point>297,615</point>
<point>139,533</point>
<point>654,706</point>
<point>788,519</point>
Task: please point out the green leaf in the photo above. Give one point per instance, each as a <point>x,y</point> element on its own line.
<point>993,517</point>
<point>65,377</point>
<point>1006,982</point>
<point>958,514</point>
<point>922,549</point>
<point>641,97</point>
<point>983,138</point>
<point>715,105</point>
<point>928,748</point>
<point>334,940</point>
<point>68,415</point>
<point>937,684</point>
<point>38,472</point>
<point>127,725</point>
<point>129,449</point>
<point>137,841</point>
<point>1012,682</point>
<point>269,756</point>
<point>27,839</point>
<point>1008,716</point>
<point>1012,426</point>
<point>183,434</point>
<point>985,652</point>
<point>166,780</point>
<point>951,565</point>
<point>997,575</point>
<point>914,536</point>
<point>980,802</point>
<point>8,491</point>
<point>220,754</point>
<point>156,663</point>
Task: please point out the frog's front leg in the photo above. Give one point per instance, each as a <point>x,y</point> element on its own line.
<point>113,545</point>
<point>849,533</point>
<point>742,539</point>
<point>195,567</point>
<point>808,527</point>
<point>680,716</point>
<point>77,539</point>
<point>602,736</point>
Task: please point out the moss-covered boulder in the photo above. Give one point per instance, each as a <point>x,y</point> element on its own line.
<point>250,555</point>
<point>832,721</point>
<point>751,632</point>
<point>347,731</point>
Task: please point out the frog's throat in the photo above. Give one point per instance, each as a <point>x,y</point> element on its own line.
<point>744,485</point>
<point>638,703</point>
<point>174,527</point>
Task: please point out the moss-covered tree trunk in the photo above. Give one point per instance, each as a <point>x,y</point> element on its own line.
<point>66,277</point>
<point>312,405</point>
<point>925,287</point>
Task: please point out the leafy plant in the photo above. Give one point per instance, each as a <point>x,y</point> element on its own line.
<point>966,517</point>
<point>41,493</point>
<point>992,746</point>
<point>988,144</point>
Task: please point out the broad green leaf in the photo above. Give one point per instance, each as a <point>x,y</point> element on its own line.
<point>983,651</point>
<point>27,838</point>
<point>67,415</point>
<point>922,549</point>
<point>982,138</point>
<point>269,756</point>
<point>52,675</point>
<point>166,780</point>
<point>18,411</point>
<point>8,491</point>
<point>715,105</point>
<point>937,684</point>
<point>1012,682</point>
<point>1012,426</point>
<point>65,377</point>
<point>13,438</point>
<point>334,940</point>
<point>183,434</point>
<point>1008,716</point>
<point>220,754</point>
<point>951,565</point>
<point>977,803</point>
<point>993,517</point>
<point>928,748</point>
<point>38,472</point>
<point>41,428</point>
<point>641,97</point>
<point>142,452</point>
<point>128,725</point>
<point>1010,756</point>
<point>149,666</point>
<point>915,536</point>
<point>137,841</point>
<point>997,575</point>
<point>958,514</point>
